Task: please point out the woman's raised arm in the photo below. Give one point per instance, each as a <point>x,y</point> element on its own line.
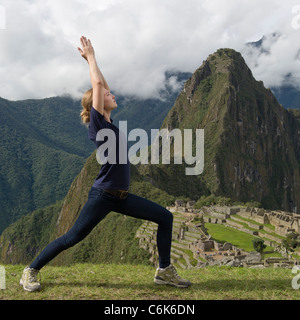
<point>97,79</point>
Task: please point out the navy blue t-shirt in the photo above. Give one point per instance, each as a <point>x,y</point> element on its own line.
<point>112,175</point>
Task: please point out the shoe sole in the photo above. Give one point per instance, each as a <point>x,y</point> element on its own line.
<point>158,281</point>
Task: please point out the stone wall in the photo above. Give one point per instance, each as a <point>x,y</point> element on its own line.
<point>259,215</point>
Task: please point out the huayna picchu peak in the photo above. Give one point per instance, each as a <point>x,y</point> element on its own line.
<point>252,143</point>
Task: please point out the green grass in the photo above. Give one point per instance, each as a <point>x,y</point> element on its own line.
<point>135,282</point>
<point>238,238</point>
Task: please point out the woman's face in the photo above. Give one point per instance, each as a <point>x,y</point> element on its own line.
<point>109,101</point>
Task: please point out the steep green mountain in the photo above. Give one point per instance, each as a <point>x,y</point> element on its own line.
<point>43,146</point>
<point>252,153</point>
<point>113,240</point>
<point>23,239</point>
<point>251,142</point>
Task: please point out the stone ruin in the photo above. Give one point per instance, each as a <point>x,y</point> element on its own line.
<point>215,253</point>
<point>284,222</point>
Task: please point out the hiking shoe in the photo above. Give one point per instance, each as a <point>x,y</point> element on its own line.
<point>169,276</point>
<point>29,281</point>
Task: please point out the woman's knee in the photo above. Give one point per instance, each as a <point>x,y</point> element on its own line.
<point>71,238</point>
<point>168,217</point>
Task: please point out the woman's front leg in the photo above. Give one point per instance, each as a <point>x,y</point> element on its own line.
<point>145,209</point>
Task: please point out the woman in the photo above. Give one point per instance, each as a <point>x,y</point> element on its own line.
<point>110,189</point>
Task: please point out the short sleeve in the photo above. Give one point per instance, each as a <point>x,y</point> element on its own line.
<point>97,123</point>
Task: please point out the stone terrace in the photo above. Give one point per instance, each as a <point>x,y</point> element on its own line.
<point>192,246</point>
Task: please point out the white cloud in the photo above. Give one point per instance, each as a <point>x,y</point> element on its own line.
<point>277,63</point>
<point>136,41</point>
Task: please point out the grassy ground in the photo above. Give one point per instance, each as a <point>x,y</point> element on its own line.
<point>238,238</point>
<point>129,282</point>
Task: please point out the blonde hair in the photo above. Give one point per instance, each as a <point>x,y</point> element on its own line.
<point>86,103</point>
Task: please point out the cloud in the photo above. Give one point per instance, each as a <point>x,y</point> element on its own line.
<point>136,42</point>
<point>277,60</point>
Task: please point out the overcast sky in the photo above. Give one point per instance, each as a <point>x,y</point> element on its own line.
<point>136,41</point>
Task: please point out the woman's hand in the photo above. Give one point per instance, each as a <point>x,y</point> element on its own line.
<point>87,50</point>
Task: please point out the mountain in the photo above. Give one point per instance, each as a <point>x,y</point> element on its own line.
<point>252,153</point>
<point>44,146</point>
<point>113,240</point>
<point>251,142</point>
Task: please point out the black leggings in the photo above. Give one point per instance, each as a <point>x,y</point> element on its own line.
<point>99,204</point>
